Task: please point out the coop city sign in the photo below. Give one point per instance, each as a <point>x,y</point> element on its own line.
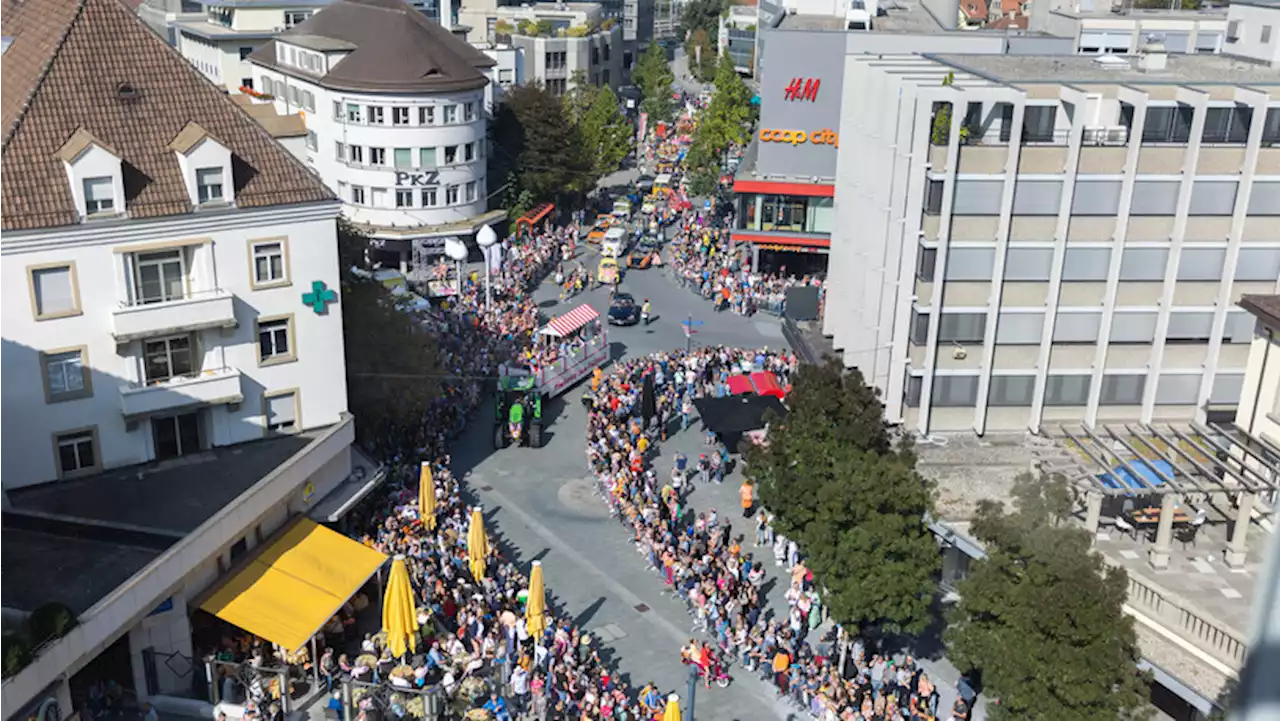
<point>796,137</point>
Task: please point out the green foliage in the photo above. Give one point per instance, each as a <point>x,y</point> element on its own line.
<point>701,54</point>
<point>1041,616</point>
<point>527,27</point>
<point>503,27</point>
<point>393,371</point>
<point>654,77</point>
<point>545,27</point>
<point>854,503</point>
<point>50,621</point>
<point>605,131</point>
<point>539,145</point>
<point>702,15</point>
<point>580,96</point>
<point>941,132</point>
<point>17,654</point>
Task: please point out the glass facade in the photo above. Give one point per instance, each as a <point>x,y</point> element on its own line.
<point>786,213</point>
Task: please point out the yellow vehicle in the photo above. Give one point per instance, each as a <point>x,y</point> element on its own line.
<point>608,272</point>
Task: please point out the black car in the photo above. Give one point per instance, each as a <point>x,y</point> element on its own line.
<point>623,310</point>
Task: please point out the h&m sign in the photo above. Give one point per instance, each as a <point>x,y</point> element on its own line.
<point>422,179</point>
<point>803,89</point>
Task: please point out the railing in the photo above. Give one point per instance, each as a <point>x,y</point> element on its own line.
<point>1117,135</point>
<point>1215,638</point>
<point>186,297</point>
<point>177,381</point>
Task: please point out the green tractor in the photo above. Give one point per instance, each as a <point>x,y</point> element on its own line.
<point>517,412</point>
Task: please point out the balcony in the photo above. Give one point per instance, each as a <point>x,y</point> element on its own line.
<point>197,311</point>
<point>210,387</point>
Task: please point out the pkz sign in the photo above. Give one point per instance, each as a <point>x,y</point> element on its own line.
<point>423,179</point>
<point>802,89</point>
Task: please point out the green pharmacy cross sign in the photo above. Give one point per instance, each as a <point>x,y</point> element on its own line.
<point>319,298</point>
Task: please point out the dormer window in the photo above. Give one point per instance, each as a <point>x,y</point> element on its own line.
<point>209,185</point>
<point>94,173</point>
<point>99,195</point>
<point>205,165</point>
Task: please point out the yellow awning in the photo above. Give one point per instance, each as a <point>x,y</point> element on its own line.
<point>292,588</point>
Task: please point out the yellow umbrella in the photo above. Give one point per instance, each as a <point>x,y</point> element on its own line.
<point>535,609</point>
<point>399,617</point>
<point>477,544</point>
<point>672,712</point>
<point>427,497</point>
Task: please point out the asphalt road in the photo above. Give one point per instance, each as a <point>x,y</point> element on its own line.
<point>541,505</point>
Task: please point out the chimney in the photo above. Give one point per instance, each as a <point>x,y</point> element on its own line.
<point>1152,57</point>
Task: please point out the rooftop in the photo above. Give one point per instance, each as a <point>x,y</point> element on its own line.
<point>280,126</point>
<point>800,21</point>
<point>1067,69</point>
<point>392,47</point>
<point>173,496</point>
<point>1103,10</point>
<point>748,169</point>
<point>92,65</point>
<point>40,567</point>
<point>214,31</point>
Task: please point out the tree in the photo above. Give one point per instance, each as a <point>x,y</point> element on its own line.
<point>731,102</point>
<point>654,76</point>
<point>1041,616</point>
<point>540,146</point>
<point>392,367</point>
<point>700,52</point>
<point>580,96</point>
<point>851,500</point>
<point>702,15</point>
<point>605,131</point>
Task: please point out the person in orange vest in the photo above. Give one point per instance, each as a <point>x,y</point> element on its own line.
<point>595,379</point>
<point>748,498</point>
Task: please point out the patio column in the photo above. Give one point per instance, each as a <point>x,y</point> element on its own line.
<point>755,258</point>
<point>1093,513</point>
<point>1236,547</point>
<point>1164,532</point>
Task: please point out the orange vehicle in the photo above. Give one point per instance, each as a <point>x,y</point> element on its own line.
<point>598,230</point>
<point>639,260</point>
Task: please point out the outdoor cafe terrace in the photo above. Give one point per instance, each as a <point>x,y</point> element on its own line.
<point>1185,511</point>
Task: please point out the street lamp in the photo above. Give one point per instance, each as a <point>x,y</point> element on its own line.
<point>457,252</point>
<point>487,239</point>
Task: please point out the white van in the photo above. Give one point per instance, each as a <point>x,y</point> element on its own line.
<point>615,242</point>
<point>622,208</point>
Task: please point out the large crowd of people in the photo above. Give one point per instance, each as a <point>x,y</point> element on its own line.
<point>701,260</point>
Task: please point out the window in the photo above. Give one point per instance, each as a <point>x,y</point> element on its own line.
<point>970,264</point>
<point>246,83</point>
<point>404,157</point>
<point>1227,125</point>
<point>1264,37</point>
<point>1239,327</point>
<point>296,17</point>
<point>356,154</point>
<point>1011,390</point>
<point>604,76</point>
<point>245,52</point>
<point>339,150</point>
<point>77,452</point>
<point>595,56</point>
<point>471,191</point>
<point>209,185</point>
<point>919,327</point>
<point>64,375</point>
<point>377,156</point>
<point>468,112</point>
<point>1038,123</point>
<point>955,391</point>
<point>933,197</point>
<point>309,100</point>
<point>506,77</point>
<point>450,154</point>
<point>451,195</point>
<point>962,327</point>
<point>53,292</point>
<point>1086,264</point>
<point>337,110</point>
<point>175,436</point>
<point>1131,327</point>
<point>375,115</point>
<point>607,52</point>
<point>426,157</point>
<point>1122,390</point>
<point>1028,264</point>
<point>911,392</point>
<point>557,86</point>
<point>404,198</point>
<point>557,60</point>
<point>1167,125</point>
<point>1201,264</point>
<point>281,411</point>
<point>357,194</point>
<point>399,116</point>
<point>1077,327</point>
<point>164,359</point>
<point>378,198</point>
<point>1020,328</point>
<point>1072,390</point>
<point>159,277</point>
<point>426,115</point>
<point>353,113</point>
<point>1233,31</point>
<point>268,264</point>
<point>1189,327</point>
<point>99,195</point>
<point>313,143</point>
<point>1260,264</point>
<point>1177,389</point>
<point>275,340</point>
<point>926,263</point>
<point>450,114</point>
<point>428,197</point>
<point>469,152</point>
<point>1143,264</point>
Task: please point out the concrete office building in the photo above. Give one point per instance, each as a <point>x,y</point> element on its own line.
<point>219,44</point>
<point>1045,239</point>
<point>581,39</point>
<point>1100,27</point>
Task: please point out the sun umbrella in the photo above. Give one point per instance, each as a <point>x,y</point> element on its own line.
<point>477,543</point>
<point>399,617</point>
<point>535,611</point>
<point>427,497</point>
<point>672,712</point>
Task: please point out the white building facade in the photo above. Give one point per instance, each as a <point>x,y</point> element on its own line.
<point>219,45</point>
<point>407,160</point>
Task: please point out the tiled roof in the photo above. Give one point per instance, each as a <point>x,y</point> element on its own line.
<point>91,68</point>
<point>1265,307</point>
<point>974,9</point>
<point>397,49</point>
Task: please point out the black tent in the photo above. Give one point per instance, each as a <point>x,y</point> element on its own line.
<point>731,417</point>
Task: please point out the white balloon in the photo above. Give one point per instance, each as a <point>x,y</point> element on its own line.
<point>486,237</point>
<point>455,249</point>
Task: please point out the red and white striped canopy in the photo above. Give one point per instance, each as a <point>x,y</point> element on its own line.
<point>571,321</point>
